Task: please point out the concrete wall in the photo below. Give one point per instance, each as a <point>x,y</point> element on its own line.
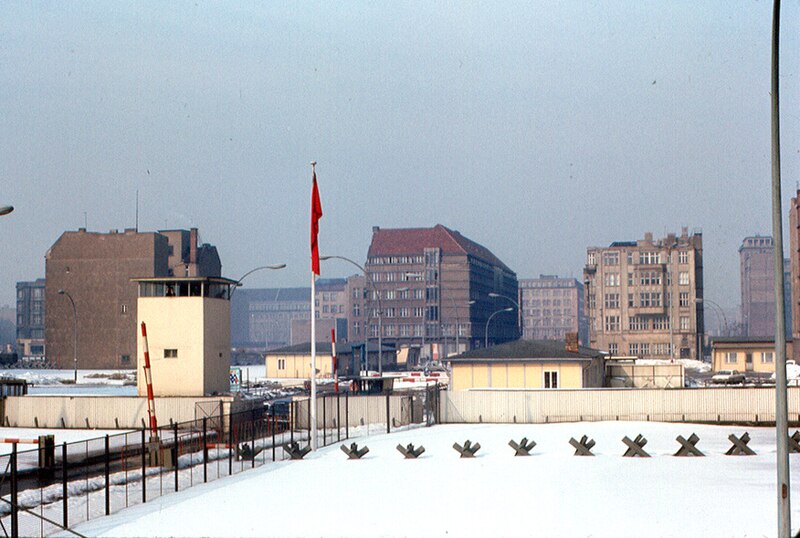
<point>363,410</point>
<point>103,412</point>
<point>729,404</point>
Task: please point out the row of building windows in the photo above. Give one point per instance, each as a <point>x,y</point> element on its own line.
<point>612,280</point>
<point>767,357</point>
<point>612,323</point>
<point>644,258</point>
<point>396,260</point>
<point>534,303</point>
<point>645,348</point>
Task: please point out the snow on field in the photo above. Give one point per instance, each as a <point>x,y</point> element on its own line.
<point>551,493</point>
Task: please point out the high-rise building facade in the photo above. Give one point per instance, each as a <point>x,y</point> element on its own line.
<point>30,319</point>
<point>757,277</point>
<point>551,308</point>
<point>644,298</point>
<point>432,289</point>
<point>94,271</point>
<point>794,266</point>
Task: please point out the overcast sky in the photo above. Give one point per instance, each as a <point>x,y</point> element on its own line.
<point>534,128</point>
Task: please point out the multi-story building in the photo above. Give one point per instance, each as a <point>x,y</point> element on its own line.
<point>30,319</point>
<point>93,272</point>
<point>794,267</point>
<point>757,271</point>
<point>356,309</point>
<point>551,308</point>
<point>644,298</point>
<point>432,286</point>
<point>263,318</point>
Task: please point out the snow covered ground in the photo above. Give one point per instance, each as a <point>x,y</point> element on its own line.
<point>551,493</point>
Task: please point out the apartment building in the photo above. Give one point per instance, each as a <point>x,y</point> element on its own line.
<point>644,298</point>
<point>432,287</point>
<point>30,319</point>
<point>551,307</point>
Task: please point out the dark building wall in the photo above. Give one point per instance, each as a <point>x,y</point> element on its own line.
<point>758,286</point>
<point>95,269</point>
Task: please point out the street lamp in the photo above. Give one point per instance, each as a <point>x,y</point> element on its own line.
<point>74,332</point>
<point>703,300</point>
<point>519,311</point>
<point>380,311</point>
<point>486,334</point>
<point>458,325</point>
<point>6,209</point>
<point>251,271</point>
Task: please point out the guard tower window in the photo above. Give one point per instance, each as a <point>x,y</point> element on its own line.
<point>170,353</point>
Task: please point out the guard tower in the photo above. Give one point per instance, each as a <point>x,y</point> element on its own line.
<point>189,334</point>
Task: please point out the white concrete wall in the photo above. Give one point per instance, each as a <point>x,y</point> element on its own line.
<point>732,404</point>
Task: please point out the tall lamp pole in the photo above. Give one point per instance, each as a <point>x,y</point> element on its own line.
<point>781,394</point>
<point>74,333</point>
<point>251,271</point>
<point>486,333</point>
<point>380,310</point>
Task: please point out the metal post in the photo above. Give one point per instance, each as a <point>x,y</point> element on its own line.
<point>64,492</point>
<point>230,442</point>
<point>347,415</point>
<point>253,437</point>
<point>144,469</point>
<point>291,420</point>
<point>324,419</point>
<point>176,451</point>
<point>205,450</point>
<point>388,416</point>
<point>14,493</point>
<point>108,478</point>
<point>274,424</point>
<point>781,396</point>
<point>338,420</point>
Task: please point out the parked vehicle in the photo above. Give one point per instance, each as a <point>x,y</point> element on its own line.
<point>728,377</point>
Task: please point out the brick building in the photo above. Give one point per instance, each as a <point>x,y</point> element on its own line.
<point>95,271</point>
<point>432,287</point>
<point>30,319</point>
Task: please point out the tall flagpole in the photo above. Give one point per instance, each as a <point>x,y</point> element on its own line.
<point>313,401</point>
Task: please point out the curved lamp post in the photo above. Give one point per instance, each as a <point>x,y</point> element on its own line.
<point>380,310</point>
<point>6,209</point>
<point>486,335</point>
<point>458,323</point>
<point>251,271</point>
<point>74,332</point>
<point>519,311</point>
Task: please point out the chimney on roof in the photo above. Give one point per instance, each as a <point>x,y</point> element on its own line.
<point>375,229</point>
<point>193,245</point>
<point>572,342</point>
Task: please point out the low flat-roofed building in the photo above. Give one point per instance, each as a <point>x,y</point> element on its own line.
<point>746,354</point>
<point>527,364</point>
<point>294,362</point>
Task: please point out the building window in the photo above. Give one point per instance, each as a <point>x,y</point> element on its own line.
<point>648,258</point>
<point>357,310</point>
<point>170,353</point>
<point>612,324</point>
<point>631,303</point>
<point>685,326</point>
<point>125,359</point>
<point>612,279</point>
<point>730,357</point>
<point>644,349</point>
<point>612,300</point>
<point>683,278</point>
<point>124,308</point>
<point>633,349</point>
<point>649,299</point>
<point>630,279</point>
<point>590,259</point>
<point>551,380</point>
<point>613,348</point>
<point>611,258</point>
<point>638,323</point>
<point>650,278</point>
<point>281,364</point>
<point>683,257</point>
<point>768,357</point>
<point>661,323</point>
<point>683,298</point>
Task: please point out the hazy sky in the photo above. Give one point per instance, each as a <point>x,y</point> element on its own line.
<point>534,128</point>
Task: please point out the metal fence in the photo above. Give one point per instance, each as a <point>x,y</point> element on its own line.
<point>51,489</point>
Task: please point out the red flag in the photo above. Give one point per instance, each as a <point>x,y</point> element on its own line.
<point>316,214</point>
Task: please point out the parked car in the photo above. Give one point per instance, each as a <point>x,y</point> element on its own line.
<point>728,377</point>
